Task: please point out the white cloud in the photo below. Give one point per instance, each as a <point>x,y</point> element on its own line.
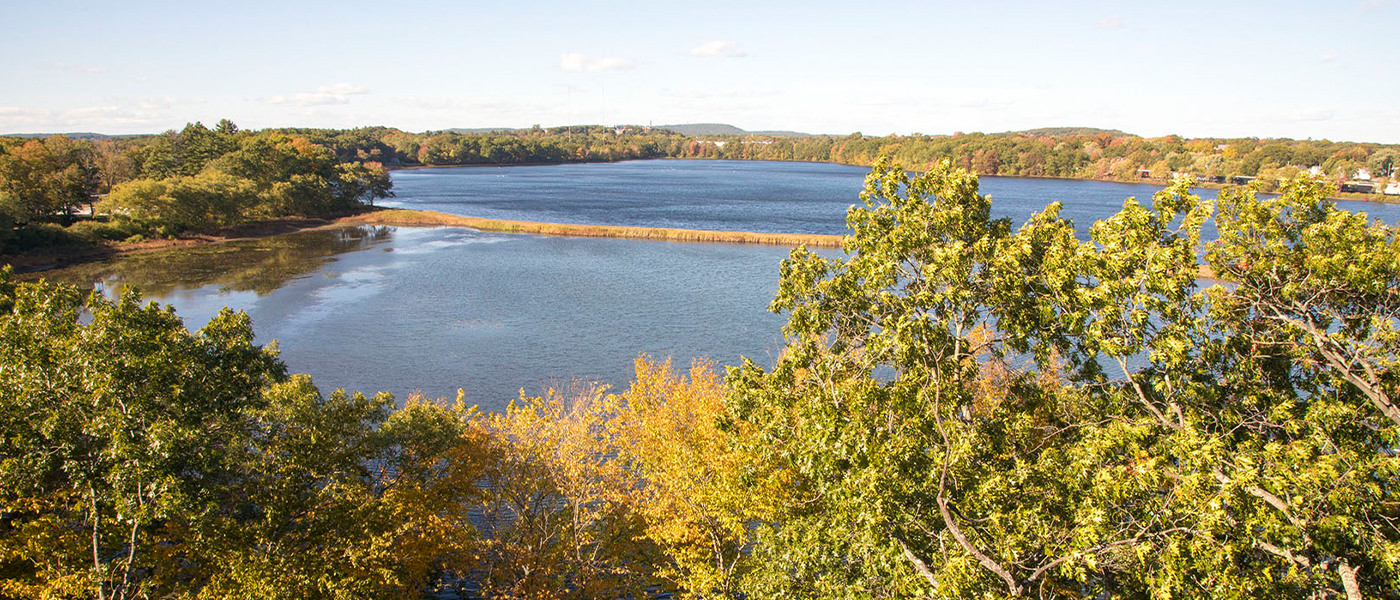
<point>463,112</point>
<point>308,99</point>
<point>90,118</point>
<point>579,62</point>
<point>343,89</point>
<point>1331,57</point>
<point>1310,115</point>
<point>706,94</point>
<point>123,116</point>
<point>719,49</point>
<point>1372,4</point>
<point>18,111</point>
<point>323,96</point>
<point>86,69</point>
<point>1112,22</point>
<point>167,102</point>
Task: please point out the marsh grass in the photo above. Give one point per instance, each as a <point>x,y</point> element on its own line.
<point>426,218</point>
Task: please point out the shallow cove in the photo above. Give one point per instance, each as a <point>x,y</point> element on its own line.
<point>401,309</point>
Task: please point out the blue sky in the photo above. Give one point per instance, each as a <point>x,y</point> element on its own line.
<point>1221,69</point>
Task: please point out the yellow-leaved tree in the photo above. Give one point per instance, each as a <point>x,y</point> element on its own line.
<point>696,489</point>
<point>557,519</point>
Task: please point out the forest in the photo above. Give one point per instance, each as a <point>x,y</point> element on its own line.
<point>201,179</point>
<point>963,410</point>
<point>197,179</point>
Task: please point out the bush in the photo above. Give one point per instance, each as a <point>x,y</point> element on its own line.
<point>96,231</point>
<point>39,235</point>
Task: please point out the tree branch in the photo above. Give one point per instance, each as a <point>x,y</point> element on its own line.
<point>919,564</point>
<point>1013,586</point>
<point>1369,385</point>
<point>1268,498</point>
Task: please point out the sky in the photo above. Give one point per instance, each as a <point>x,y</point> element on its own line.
<point>1269,69</point>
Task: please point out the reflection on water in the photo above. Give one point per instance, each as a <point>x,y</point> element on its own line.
<point>403,309</point>
<point>257,265</point>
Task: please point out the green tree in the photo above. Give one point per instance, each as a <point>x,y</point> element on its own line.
<point>979,411</point>
<point>142,460</point>
<point>205,201</point>
<point>1382,164</point>
<point>41,179</point>
<point>188,151</point>
<point>118,423</point>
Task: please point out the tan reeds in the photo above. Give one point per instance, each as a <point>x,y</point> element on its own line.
<point>428,218</point>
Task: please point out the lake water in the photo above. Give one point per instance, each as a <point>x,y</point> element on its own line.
<point>404,309</point>
<point>774,197</point>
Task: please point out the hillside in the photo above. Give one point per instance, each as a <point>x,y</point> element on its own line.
<point>694,129</point>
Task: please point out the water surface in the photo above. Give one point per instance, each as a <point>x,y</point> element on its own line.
<point>402,309</point>
<point>772,197</point>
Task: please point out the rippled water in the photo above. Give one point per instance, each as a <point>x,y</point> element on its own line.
<point>777,197</point>
<point>401,309</point>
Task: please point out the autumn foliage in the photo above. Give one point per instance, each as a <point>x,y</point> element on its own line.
<point>963,409</point>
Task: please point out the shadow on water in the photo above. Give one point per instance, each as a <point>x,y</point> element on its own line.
<point>260,265</point>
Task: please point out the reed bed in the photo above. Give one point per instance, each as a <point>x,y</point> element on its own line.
<point>428,218</point>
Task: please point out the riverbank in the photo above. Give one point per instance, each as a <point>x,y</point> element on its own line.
<point>62,256</point>
<point>55,257</point>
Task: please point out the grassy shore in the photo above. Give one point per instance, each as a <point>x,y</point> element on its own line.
<point>427,218</point>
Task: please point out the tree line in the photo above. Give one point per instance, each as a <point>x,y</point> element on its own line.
<point>200,178</point>
<point>1057,152</point>
<point>963,409</point>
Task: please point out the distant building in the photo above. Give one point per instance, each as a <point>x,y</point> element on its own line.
<point>1359,187</point>
<point>1242,179</point>
<point>1315,170</point>
<point>1362,174</point>
<point>1393,189</point>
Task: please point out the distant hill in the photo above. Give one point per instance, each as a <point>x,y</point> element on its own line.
<point>694,129</point>
<point>1068,131</point>
<point>482,130</point>
<point>77,135</point>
